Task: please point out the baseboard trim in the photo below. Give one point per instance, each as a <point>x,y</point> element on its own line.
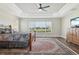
<point>49,37</point>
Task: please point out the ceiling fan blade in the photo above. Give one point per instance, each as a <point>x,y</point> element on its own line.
<point>46,7</point>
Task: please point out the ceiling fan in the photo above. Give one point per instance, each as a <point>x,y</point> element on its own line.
<point>42,7</point>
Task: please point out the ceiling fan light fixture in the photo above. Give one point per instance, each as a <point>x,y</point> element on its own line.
<point>40,9</point>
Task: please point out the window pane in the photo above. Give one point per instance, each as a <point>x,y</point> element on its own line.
<point>43,26</point>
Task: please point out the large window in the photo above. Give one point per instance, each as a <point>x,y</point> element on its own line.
<point>40,26</point>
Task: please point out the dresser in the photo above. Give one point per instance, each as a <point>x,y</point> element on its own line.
<point>73,35</point>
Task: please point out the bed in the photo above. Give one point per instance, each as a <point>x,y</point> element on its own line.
<point>13,43</point>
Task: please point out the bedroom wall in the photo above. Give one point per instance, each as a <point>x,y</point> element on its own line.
<point>56,26</point>
<point>8,19</point>
<point>66,21</point>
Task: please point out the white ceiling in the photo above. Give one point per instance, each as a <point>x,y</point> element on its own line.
<point>30,10</point>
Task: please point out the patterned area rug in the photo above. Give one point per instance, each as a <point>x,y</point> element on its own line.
<point>50,47</point>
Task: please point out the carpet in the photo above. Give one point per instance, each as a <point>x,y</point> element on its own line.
<point>50,47</point>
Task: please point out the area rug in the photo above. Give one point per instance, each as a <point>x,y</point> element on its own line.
<point>49,47</point>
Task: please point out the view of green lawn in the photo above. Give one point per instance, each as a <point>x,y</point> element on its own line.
<point>41,29</point>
